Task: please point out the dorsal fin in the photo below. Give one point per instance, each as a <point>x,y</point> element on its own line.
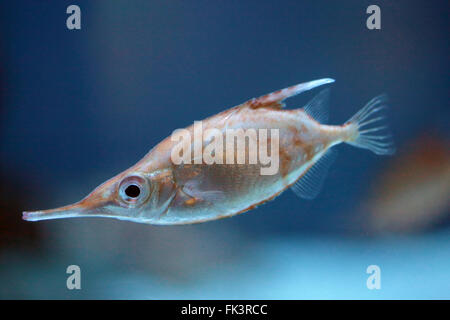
<point>275,99</point>
<point>309,186</point>
<point>317,108</point>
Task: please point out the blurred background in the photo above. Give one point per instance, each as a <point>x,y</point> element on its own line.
<point>79,106</point>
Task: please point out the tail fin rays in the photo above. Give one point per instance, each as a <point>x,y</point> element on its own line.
<point>375,137</point>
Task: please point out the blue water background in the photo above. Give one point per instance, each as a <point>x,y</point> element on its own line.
<point>80,106</point>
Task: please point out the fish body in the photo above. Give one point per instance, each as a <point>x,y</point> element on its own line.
<point>159,190</point>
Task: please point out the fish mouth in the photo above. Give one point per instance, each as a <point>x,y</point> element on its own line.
<point>70,211</point>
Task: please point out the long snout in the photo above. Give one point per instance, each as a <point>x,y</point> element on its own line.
<point>70,211</point>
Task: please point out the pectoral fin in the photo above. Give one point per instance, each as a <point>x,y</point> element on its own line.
<point>194,191</point>
<point>191,195</point>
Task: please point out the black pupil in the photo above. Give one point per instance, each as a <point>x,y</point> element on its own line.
<point>132,191</point>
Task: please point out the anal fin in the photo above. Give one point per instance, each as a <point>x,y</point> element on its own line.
<point>310,184</point>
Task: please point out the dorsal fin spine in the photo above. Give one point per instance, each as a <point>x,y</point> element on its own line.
<point>275,99</point>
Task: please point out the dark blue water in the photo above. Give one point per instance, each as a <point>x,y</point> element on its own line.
<point>79,106</point>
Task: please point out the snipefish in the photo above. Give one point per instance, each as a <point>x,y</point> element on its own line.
<point>217,177</point>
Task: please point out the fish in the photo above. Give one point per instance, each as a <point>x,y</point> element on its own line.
<point>161,191</point>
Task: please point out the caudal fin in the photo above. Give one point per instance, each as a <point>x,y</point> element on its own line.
<point>370,129</point>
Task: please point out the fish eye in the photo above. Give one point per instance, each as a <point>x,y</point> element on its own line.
<point>134,190</point>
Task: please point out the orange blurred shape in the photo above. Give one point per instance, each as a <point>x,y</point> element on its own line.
<point>413,192</point>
